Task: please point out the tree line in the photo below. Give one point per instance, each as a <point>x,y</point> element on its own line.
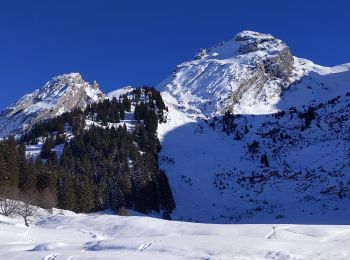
<point>98,167</point>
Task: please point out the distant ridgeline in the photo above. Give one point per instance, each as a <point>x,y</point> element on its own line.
<point>104,163</point>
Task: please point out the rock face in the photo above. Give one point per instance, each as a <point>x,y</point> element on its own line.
<point>251,69</point>
<point>279,62</point>
<point>59,95</point>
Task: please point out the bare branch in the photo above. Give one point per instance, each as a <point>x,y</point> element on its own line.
<point>8,200</point>
<point>8,207</point>
<point>27,207</point>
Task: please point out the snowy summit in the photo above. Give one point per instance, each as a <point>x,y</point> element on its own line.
<point>245,75</point>
<point>59,95</point>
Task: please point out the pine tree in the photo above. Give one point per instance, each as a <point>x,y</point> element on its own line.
<point>28,179</point>
<point>66,195</point>
<point>11,159</point>
<point>254,147</point>
<point>52,160</point>
<point>126,103</point>
<point>67,160</point>
<point>46,148</point>
<point>264,160</point>
<point>84,194</point>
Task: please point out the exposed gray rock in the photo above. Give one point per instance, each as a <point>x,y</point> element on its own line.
<point>278,63</point>
<point>59,95</point>
<point>253,41</point>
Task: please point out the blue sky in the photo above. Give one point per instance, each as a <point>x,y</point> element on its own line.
<point>121,42</point>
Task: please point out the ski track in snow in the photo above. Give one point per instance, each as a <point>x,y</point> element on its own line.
<point>51,257</point>
<point>143,247</point>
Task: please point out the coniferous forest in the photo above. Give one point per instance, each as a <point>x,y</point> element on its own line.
<point>102,165</point>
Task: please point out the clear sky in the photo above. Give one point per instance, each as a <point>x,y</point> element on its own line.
<point>129,42</point>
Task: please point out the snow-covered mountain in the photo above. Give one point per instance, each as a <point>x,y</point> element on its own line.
<point>252,133</point>
<point>247,75</point>
<point>283,152</point>
<point>61,94</point>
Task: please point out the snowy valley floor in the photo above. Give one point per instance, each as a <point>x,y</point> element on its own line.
<point>104,236</point>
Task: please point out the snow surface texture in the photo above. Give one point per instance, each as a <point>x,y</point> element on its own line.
<point>213,176</point>
<point>61,94</point>
<point>65,235</point>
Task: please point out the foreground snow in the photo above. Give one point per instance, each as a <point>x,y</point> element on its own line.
<point>67,235</point>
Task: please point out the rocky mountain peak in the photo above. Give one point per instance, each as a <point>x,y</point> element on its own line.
<point>95,85</point>
<point>277,59</point>
<point>59,95</point>
<point>247,35</point>
<point>249,70</point>
<point>253,41</point>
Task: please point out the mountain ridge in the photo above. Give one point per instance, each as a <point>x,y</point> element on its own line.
<point>61,94</point>
<point>245,75</point>
<point>252,134</point>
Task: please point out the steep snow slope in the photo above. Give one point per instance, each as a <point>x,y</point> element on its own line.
<point>246,75</point>
<point>215,177</point>
<point>119,92</point>
<point>61,94</point>
<point>65,235</point>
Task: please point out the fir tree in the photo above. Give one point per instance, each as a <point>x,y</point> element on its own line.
<point>264,160</point>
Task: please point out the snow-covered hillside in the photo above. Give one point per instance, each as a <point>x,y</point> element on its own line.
<point>214,177</point>
<point>61,94</point>
<point>213,173</point>
<point>251,133</point>
<point>65,235</point>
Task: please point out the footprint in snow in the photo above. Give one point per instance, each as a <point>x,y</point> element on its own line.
<point>143,247</point>
<point>50,257</point>
<point>279,255</point>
